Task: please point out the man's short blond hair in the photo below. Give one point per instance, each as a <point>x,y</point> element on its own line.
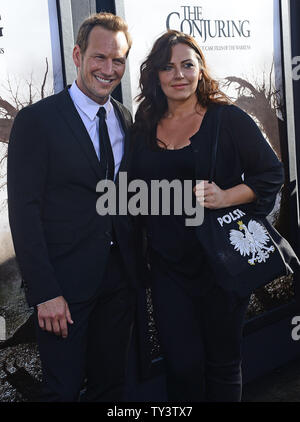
<point>106,20</point>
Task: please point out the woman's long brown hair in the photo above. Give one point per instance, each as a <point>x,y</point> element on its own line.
<point>153,103</point>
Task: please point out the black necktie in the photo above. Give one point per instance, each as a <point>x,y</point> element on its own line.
<point>106,153</point>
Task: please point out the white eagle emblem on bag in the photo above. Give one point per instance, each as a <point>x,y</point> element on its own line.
<point>252,242</point>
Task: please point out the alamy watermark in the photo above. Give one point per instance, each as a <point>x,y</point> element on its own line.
<point>133,198</point>
<point>296,330</point>
<point>296,69</point>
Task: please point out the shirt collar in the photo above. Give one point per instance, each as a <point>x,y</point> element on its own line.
<point>88,106</point>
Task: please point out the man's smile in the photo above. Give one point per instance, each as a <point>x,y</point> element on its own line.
<point>103,80</point>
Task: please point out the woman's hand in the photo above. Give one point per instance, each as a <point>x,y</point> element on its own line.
<point>209,195</point>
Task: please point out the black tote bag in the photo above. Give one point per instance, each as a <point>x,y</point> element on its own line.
<point>244,251</point>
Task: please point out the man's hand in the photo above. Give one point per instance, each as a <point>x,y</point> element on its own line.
<point>53,316</point>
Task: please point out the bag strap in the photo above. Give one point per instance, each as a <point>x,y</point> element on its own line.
<point>214,147</point>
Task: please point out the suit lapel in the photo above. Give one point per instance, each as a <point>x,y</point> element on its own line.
<point>125,125</point>
<point>76,125</point>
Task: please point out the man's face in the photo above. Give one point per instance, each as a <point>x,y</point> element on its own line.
<point>101,67</point>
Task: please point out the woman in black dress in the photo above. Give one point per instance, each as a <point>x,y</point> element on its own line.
<point>199,323</point>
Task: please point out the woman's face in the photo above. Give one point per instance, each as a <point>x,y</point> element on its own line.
<point>179,78</point>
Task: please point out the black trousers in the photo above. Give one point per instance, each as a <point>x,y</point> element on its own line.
<point>97,344</point>
<point>200,337</point>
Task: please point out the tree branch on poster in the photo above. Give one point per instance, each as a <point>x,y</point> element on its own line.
<point>270,82</point>
<point>14,93</point>
<point>263,102</point>
<point>10,107</point>
<point>44,81</point>
<point>29,85</point>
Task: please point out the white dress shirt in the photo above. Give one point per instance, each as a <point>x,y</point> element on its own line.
<point>88,109</point>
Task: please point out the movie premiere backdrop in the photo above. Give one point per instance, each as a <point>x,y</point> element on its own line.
<point>30,69</point>
<point>240,40</point>
<point>241,44</point>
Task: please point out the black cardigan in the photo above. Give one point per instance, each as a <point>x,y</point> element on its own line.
<point>243,156</point>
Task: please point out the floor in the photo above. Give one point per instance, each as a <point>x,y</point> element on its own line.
<point>281,385</point>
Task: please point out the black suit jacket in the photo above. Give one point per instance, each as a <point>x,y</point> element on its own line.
<point>61,243</point>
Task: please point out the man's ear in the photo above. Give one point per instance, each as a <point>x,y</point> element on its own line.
<point>77,55</point>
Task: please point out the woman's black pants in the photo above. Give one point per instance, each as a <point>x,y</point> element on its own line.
<point>200,338</point>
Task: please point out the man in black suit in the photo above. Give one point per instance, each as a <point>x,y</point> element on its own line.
<point>78,267</point>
